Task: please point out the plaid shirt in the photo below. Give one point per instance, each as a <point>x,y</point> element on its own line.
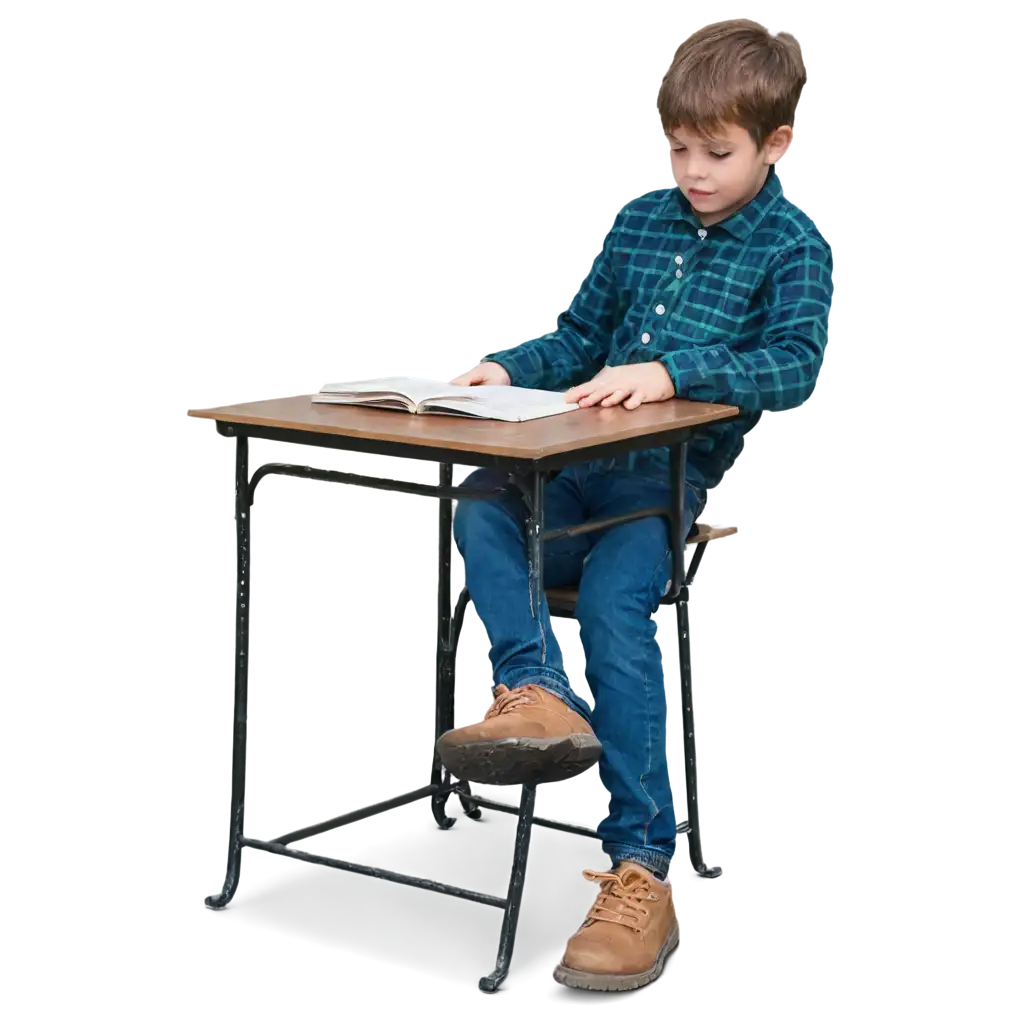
<point>737,313</point>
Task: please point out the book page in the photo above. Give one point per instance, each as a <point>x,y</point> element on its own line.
<point>489,401</point>
<point>505,403</point>
<point>416,388</point>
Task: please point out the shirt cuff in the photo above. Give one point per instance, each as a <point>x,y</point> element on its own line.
<point>508,363</point>
<point>685,369</point>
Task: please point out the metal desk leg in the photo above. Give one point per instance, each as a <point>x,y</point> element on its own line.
<point>687,718</point>
<point>447,639</point>
<point>531,486</point>
<point>444,687</point>
<point>682,569</point>
<point>491,982</point>
<point>242,509</point>
<point>534,495</point>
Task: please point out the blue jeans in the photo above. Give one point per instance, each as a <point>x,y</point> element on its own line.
<point>621,572</point>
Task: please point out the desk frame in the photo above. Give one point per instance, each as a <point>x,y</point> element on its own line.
<point>529,477</point>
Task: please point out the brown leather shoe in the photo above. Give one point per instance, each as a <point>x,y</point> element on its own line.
<point>528,735</point>
<point>628,933</point>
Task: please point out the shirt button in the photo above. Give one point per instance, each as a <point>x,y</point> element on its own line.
<point>645,337</point>
<point>702,233</point>
<point>659,309</point>
<point>679,260</point>
<point>679,273</point>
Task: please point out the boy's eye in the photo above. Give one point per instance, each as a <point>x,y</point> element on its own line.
<point>717,156</point>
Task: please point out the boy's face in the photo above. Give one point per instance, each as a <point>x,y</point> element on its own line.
<point>726,171</point>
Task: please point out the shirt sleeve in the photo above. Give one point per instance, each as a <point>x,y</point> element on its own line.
<point>781,371</point>
<point>579,346</point>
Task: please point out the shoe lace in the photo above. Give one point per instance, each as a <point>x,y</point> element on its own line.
<point>509,699</point>
<point>621,897</point>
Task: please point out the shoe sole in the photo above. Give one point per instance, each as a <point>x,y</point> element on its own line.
<point>519,760</point>
<point>618,982</point>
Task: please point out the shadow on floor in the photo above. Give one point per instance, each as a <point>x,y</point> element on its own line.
<point>422,930</point>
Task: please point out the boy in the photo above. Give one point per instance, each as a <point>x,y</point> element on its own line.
<point>718,291</point>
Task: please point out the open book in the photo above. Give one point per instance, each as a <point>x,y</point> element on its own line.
<point>414,394</point>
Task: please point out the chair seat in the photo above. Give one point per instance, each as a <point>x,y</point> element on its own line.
<point>564,598</point>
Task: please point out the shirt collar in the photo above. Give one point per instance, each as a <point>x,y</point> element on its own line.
<point>742,223</point>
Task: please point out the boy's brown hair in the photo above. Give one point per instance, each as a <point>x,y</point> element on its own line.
<point>733,72</point>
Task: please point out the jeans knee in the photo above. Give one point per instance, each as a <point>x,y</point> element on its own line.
<point>475,514</point>
<point>619,607</point>
<point>607,612</point>
<point>462,522</point>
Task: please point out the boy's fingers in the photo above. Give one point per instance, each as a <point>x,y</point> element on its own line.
<point>598,389</point>
<point>633,401</point>
<point>595,395</point>
<point>584,389</point>
<point>615,397</point>
<point>582,392</point>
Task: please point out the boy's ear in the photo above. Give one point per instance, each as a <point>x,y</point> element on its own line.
<point>777,143</point>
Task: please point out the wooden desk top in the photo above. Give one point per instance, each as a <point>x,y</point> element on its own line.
<point>533,440</point>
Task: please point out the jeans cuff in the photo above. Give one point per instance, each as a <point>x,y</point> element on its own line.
<point>653,860</point>
<point>556,684</point>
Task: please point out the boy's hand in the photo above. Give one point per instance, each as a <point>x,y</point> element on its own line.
<point>484,373</point>
<point>635,383</point>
